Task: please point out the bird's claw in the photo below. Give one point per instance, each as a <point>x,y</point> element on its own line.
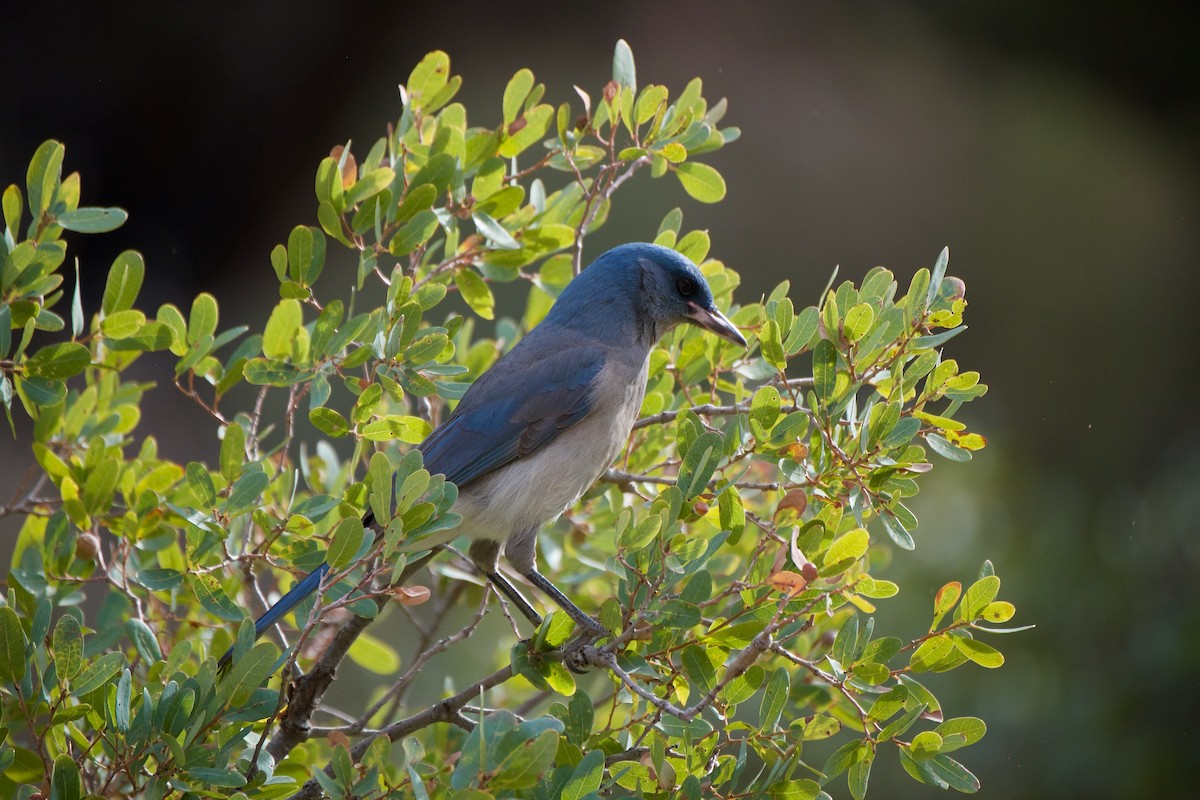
<point>580,656</point>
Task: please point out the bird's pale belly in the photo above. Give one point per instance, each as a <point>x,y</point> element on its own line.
<point>520,497</point>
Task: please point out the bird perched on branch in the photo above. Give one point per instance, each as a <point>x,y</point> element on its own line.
<point>535,431</point>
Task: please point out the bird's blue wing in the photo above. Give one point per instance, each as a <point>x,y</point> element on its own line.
<point>513,410</point>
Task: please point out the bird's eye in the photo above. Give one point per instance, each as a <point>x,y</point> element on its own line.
<point>686,287</point>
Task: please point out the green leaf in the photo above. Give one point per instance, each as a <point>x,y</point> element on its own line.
<point>896,531</point>
<point>343,547</point>
<point>124,282</point>
<point>65,783</point>
<point>586,777</point>
<point>636,537</point>
<point>624,71</point>
<point>92,220</point>
<point>977,597</point>
<point>329,422</point>
<point>414,234</point>
<point>475,292</point>
<point>246,491</point>
<point>558,678</point>
<point>201,485</point>
<point>437,171</point>
<point>772,345</point>
<point>144,640</point>
<point>12,211</point>
<point>374,655</point>
<point>925,745</point>
<point>68,646</point>
<point>844,757</point>
<point>379,479</point>
<point>306,254</point>
<point>916,301</point>
<point>744,686</point>
<point>122,700</point>
<point>701,181</point>
<point>98,673</point>
<point>699,668</point>
<point>536,122</point>
<point>982,654</point>
<point>764,409</point>
<point>214,777</point>
<point>203,320</point>
<point>858,321</point>
<point>998,611</point>
<point>369,185</point>
<point>248,673</point>
<point>960,732</point>
<point>825,370</point>
<point>233,451</point>
<point>939,273</point>
<point>214,600</point>
<point>495,232</point>
<point>280,332</point>
<point>58,361</point>
<point>410,430</point>
<point>43,392</point>
<point>954,774</point>
<point>931,653</point>
<point>888,703</point>
<point>123,324</point>
<point>859,774</point>
<point>774,698</point>
<point>937,339</point>
<point>515,93</point>
<point>699,464</point>
<point>12,646</point>
<point>428,79</point>
<point>418,198</point>
<point>901,724</point>
<point>160,580</point>
<point>523,766</point>
<point>883,420</point>
<point>42,177</point>
<point>648,103</point>
<point>848,547</point>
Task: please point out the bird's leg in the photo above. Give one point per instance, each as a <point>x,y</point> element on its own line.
<point>485,554</point>
<point>587,624</point>
<point>508,590</point>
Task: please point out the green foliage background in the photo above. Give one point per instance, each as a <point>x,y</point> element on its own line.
<point>1059,167</point>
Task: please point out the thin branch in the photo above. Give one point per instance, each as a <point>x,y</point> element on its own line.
<point>447,710</point>
<point>305,693</point>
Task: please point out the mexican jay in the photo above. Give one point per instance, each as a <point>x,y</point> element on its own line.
<point>535,431</point>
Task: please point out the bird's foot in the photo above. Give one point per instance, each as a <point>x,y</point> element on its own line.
<point>580,655</point>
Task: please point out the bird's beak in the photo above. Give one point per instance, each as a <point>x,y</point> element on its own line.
<point>713,320</point>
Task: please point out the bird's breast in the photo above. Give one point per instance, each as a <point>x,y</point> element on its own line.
<point>535,489</point>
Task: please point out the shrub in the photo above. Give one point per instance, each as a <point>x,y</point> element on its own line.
<point>735,552</point>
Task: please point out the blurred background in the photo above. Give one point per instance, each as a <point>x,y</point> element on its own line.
<point>1052,146</point>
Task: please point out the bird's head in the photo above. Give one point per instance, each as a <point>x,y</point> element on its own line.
<point>646,289</point>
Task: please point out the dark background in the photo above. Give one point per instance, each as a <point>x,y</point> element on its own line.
<point>1052,146</point>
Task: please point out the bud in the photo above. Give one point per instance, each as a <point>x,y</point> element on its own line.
<point>87,546</point>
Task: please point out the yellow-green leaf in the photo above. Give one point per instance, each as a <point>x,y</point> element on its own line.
<point>701,181</point>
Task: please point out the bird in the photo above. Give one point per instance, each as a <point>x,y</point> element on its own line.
<point>537,429</point>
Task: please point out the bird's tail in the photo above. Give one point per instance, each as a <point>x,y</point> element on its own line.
<point>281,608</point>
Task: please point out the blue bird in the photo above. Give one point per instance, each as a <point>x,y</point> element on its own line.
<point>535,431</point>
